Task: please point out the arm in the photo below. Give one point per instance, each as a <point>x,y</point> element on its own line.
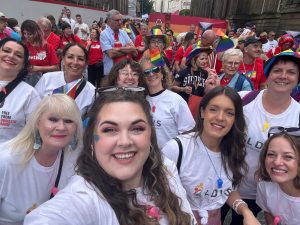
<point>177,88</point>
<point>212,81</point>
<point>269,218</point>
<point>44,69</point>
<point>241,208</point>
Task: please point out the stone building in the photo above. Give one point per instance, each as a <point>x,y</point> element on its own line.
<point>278,15</point>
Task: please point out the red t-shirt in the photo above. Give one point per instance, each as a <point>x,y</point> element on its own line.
<point>276,51</point>
<point>179,54</point>
<point>187,51</point>
<point>64,41</point>
<point>95,53</point>
<point>2,36</point>
<point>43,56</point>
<point>139,42</point>
<point>54,40</point>
<point>169,53</point>
<point>255,72</point>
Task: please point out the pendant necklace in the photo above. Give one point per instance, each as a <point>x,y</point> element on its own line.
<point>153,104</point>
<point>219,180</point>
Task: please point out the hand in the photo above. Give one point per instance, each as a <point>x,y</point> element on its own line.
<point>250,219</point>
<point>211,82</point>
<point>188,90</point>
<point>88,42</point>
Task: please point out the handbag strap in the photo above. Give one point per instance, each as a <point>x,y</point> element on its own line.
<point>178,164</point>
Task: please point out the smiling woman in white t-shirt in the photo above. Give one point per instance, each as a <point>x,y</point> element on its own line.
<point>121,177</point>
<point>278,189</point>
<point>17,99</point>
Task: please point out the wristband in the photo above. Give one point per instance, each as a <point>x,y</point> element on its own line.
<point>237,203</point>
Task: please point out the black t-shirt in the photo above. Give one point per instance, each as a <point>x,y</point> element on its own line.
<point>195,79</point>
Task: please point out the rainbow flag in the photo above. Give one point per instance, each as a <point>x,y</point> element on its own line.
<point>224,44</point>
<point>68,89</point>
<point>156,58</point>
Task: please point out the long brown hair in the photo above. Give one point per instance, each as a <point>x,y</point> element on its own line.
<point>155,181</point>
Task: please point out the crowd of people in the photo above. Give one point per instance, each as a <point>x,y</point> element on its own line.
<point>122,123</point>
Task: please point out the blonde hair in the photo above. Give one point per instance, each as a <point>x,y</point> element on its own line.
<point>59,104</point>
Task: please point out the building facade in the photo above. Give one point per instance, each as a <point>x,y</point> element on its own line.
<point>278,15</point>
<point>171,6</point>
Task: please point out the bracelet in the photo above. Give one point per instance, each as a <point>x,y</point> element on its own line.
<point>237,203</point>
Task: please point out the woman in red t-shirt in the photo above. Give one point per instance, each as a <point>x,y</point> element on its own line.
<point>95,63</point>
<point>42,56</point>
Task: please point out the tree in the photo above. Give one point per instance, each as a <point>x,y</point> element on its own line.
<point>185,12</point>
<point>147,6</point>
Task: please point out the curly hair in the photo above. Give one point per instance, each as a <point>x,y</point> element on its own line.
<point>114,72</point>
<point>262,174</point>
<point>155,182</point>
<point>232,146</point>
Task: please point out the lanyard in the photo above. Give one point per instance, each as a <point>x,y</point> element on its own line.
<point>55,188</point>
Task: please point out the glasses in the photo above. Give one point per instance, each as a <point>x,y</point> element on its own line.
<point>154,41</point>
<point>126,74</point>
<point>150,71</point>
<point>117,20</point>
<point>294,131</point>
<point>233,64</point>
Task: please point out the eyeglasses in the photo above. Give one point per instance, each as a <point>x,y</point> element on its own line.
<point>117,20</point>
<point>294,131</point>
<point>233,64</point>
<point>126,74</point>
<point>156,41</point>
<point>152,70</point>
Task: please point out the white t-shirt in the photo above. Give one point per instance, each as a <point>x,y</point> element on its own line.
<point>269,45</point>
<point>85,27</point>
<point>69,21</point>
<point>172,116</point>
<point>79,204</point>
<point>53,80</point>
<point>258,122</point>
<point>23,186</point>
<point>272,199</point>
<point>198,173</point>
<point>16,109</point>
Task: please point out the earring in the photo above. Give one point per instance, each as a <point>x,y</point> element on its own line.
<point>74,142</point>
<point>92,151</point>
<point>151,148</point>
<point>37,141</point>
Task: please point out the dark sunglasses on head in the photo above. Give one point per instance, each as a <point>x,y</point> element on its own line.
<point>110,89</point>
<point>294,131</point>
<point>152,70</point>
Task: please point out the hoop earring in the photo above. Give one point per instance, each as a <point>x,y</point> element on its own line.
<point>74,142</point>
<point>37,141</point>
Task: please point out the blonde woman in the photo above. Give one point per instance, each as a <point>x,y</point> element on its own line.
<point>40,160</point>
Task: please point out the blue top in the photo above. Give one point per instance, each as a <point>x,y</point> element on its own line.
<point>247,86</point>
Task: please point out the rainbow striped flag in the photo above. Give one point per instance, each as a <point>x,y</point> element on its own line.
<point>156,58</point>
<point>68,89</point>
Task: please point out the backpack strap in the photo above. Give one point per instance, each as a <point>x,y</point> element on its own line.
<point>240,81</point>
<point>178,164</point>
<point>250,97</point>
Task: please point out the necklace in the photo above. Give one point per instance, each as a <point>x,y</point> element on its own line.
<point>219,180</point>
<point>153,104</point>
<point>250,73</point>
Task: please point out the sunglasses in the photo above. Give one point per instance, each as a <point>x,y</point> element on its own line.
<point>294,131</point>
<point>150,71</point>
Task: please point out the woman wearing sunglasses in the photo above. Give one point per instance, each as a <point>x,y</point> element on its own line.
<point>121,176</point>
<point>278,189</point>
<point>270,107</point>
<point>170,112</point>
